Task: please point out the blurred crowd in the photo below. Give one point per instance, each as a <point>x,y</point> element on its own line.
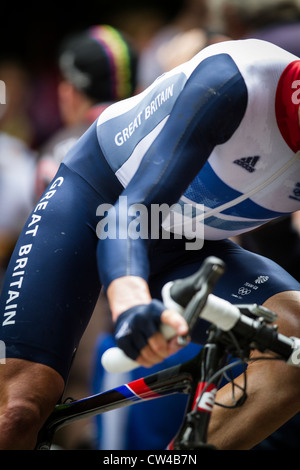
<point>42,116</point>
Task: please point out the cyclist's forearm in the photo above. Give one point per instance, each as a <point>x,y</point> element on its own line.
<point>129,291</point>
<point>126,292</point>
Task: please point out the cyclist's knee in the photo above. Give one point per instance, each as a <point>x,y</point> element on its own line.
<point>20,422</point>
<point>286,305</point>
<point>29,392</point>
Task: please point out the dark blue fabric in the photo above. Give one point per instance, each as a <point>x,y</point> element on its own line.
<point>60,285</point>
<point>86,159</point>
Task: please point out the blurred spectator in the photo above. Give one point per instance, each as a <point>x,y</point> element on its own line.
<point>141,23</point>
<point>184,46</point>
<point>276,21</point>
<point>43,108</point>
<point>98,66</point>
<point>195,16</point>
<point>14,115</point>
<point>17,165</point>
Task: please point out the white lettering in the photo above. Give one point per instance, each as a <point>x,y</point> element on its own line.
<point>12,295</point>
<point>125,134</point>
<point>58,182</point>
<point>19,273</point>
<point>119,460</point>
<point>119,139</point>
<point>172,459</point>
<point>207,400</point>
<point>18,283</point>
<point>35,219</point>
<point>8,320</point>
<point>33,231</point>
<point>158,101</point>
<point>41,206</point>
<point>25,249</point>
<point>21,262</point>
<point>147,112</point>
<point>48,195</point>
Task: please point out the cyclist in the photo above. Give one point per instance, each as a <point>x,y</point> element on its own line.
<point>216,140</point>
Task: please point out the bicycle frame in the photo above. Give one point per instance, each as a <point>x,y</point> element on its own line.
<point>193,432</point>
<point>177,379</point>
<point>190,378</point>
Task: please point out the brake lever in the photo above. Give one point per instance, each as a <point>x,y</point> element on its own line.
<point>257,311</point>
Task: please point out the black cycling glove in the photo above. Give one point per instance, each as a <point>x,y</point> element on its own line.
<point>136,325</point>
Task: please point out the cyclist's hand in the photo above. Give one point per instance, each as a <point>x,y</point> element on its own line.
<point>137,332</point>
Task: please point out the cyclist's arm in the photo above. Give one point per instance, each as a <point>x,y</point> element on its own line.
<point>207,113</point>
<point>126,292</point>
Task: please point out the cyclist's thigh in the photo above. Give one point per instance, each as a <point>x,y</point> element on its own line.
<point>248,278</point>
<point>52,283</point>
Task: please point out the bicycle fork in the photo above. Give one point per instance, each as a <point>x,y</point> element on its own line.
<point>193,432</point>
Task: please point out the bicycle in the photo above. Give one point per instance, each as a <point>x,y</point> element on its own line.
<point>234,331</point>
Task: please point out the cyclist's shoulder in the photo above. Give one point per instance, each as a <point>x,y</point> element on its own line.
<point>251,56</point>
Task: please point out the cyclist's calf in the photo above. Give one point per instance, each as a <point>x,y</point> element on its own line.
<point>287,307</point>
<point>282,381</point>
<point>272,389</point>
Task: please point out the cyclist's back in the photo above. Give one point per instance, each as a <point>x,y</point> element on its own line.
<point>241,186</point>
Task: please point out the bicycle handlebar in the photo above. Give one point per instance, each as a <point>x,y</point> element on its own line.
<point>192,297</point>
